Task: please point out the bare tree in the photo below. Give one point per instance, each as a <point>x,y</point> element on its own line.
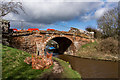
<point>108,23</point>
<point>11,6</point>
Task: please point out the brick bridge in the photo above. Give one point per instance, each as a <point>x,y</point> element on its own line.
<point>69,42</point>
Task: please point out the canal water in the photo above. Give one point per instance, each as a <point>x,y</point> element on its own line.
<point>92,68</point>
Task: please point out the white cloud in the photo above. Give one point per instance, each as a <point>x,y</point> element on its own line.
<point>47,11</point>
<point>100,12</point>
<point>51,12</point>
<point>60,0</point>
<point>86,17</point>
<point>112,0</point>
<point>11,16</point>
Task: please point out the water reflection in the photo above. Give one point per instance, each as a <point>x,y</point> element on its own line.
<point>92,68</point>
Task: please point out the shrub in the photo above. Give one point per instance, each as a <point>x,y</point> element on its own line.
<point>97,33</point>
<point>108,45</point>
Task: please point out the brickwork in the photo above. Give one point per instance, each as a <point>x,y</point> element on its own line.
<point>4,32</point>
<point>31,42</point>
<point>37,41</point>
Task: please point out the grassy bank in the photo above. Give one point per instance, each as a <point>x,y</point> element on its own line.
<point>14,67</point>
<point>68,72</point>
<point>89,51</point>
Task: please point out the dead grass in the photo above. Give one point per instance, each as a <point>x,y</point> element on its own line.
<point>89,51</point>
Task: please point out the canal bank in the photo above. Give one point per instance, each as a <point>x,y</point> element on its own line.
<point>14,67</point>
<point>100,50</point>
<point>61,71</point>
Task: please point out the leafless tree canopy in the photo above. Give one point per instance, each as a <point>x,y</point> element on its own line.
<point>108,23</point>
<point>11,6</point>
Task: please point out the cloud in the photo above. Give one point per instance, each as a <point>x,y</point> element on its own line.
<point>52,12</point>
<point>48,12</point>
<point>100,12</point>
<point>112,0</point>
<point>97,12</point>
<point>60,0</point>
<point>108,6</point>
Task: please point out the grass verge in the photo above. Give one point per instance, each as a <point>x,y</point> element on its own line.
<point>89,51</point>
<point>68,72</point>
<point>14,67</point>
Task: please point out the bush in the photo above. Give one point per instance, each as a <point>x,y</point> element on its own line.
<point>108,45</point>
<point>97,34</point>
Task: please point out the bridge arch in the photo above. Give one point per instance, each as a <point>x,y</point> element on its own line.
<point>66,44</point>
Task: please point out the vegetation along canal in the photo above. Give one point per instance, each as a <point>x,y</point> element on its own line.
<point>88,68</point>
<point>92,68</point>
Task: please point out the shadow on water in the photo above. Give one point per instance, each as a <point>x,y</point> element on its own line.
<point>92,68</point>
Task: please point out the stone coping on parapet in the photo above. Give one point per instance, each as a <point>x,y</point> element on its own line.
<point>55,33</point>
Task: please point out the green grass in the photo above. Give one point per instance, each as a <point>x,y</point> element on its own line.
<point>68,72</point>
<point>89,44</point>
<point>0,61</point>
<point>14,67</point>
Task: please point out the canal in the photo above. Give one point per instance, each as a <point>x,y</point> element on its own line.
<point>87,68</point>
<point>92,68</point>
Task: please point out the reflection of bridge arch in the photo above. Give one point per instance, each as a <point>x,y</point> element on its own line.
<point>66,44</point>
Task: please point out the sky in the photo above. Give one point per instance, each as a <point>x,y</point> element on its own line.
<point>60,14</point>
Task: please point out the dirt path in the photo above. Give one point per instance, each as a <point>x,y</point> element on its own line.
<point>55,74</point>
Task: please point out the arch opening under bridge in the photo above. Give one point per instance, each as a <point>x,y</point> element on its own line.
<point>63,45</point>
